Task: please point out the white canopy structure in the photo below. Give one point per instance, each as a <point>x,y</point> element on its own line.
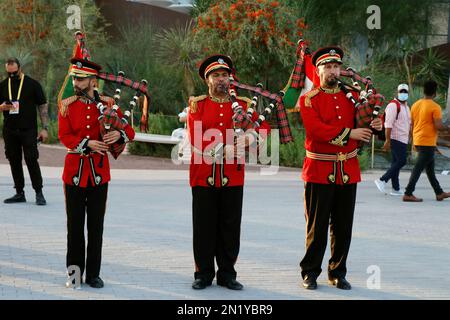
<point>183,6</point>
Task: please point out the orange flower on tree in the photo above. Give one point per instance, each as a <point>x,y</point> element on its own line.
<point>254,30</point>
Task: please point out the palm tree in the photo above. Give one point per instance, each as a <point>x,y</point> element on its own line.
<point>177,51</point>
<point>434,66</point>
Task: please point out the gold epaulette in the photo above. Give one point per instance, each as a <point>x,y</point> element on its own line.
<point>193,102</point>
<point>64,104</point>
<point>248,100</point>
<point>309,95</point>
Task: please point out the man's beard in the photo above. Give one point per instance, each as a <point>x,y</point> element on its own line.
<point>220,89</point>
<point>13,75</point>
<point>79,92</point>
<point>331,82</point>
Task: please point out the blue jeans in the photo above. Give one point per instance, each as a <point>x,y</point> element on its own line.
<point>425,160</point>
<point>398,151</point>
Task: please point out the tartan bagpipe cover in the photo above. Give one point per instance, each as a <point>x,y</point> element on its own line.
<point>365,111</point>
<point>138,86</point>
<point>241,119</point>
<point>303,78</point>
<point>280,112</point>
<point>369,107</point>
<point>110,118</point>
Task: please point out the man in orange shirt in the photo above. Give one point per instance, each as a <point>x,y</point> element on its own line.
<point>426,120</point>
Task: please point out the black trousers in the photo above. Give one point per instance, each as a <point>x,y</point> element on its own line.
<point>399,153</point>
<point>216,217</point>
<point>17,140</point>
<point>425,160</point>
<point>82,202</point>
<point>328,205</point>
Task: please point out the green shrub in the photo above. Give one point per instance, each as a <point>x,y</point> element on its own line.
<point>139,41</point>
<point>293,153</point>
<point>150,149</point>
<point>364,158</point>
<point>162,124</point>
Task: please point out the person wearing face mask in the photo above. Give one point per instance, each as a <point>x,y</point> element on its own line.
<point>217,175</point>
<point>397,127</point>
<point>330,170</point>
<point>426,120</point>
<point>21,97</point>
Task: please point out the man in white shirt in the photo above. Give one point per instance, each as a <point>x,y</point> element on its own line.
<point>397,126</point>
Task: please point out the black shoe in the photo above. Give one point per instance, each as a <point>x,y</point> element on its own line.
<point>96,282</point>
<point>40,200</point>
<point>18,197</point>
<point>340,283</point>
<point>309,282</point>
<point>232,284</point>
<point>200,283</point>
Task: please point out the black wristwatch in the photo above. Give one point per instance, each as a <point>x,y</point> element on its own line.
<point>45,128</point>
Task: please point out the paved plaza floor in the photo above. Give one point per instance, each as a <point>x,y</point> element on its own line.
<point>399,250</point>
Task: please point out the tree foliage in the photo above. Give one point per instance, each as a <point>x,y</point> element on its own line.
<point>433,66</point>
<point>333,21</point>
<point>260,36</point>
<point>136,57</point>
<point>201,6</point>
<point>176,50</point>
<point>35,31</point>
<point>387,53</point>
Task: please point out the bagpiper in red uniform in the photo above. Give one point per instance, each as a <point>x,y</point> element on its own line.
<point>328,117</point>
<point>86,170</point>
<point>217,183</point>
<point>330,170</point>
<point>212,114</point>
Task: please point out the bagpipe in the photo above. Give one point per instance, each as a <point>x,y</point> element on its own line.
<point>140,98</point>
<point>110,117</point>
<point>302,79</point>
<point>243,121</point>
<point>361,92</point>
<point>368,102</point>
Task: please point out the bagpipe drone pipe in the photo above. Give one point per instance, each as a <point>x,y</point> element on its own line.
<point>112,117</point>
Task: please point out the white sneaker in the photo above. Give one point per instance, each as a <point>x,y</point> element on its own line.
<point>396,193</point>
<point>381,185</point>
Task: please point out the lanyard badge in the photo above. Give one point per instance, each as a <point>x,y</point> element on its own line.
<point>15,104</point>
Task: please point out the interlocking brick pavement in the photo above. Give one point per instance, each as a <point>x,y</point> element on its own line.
<point>147,251</point>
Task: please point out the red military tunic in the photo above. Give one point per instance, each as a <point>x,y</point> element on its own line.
<point>328,117</point>
<point>78,123</point>
<point>214,115</point>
